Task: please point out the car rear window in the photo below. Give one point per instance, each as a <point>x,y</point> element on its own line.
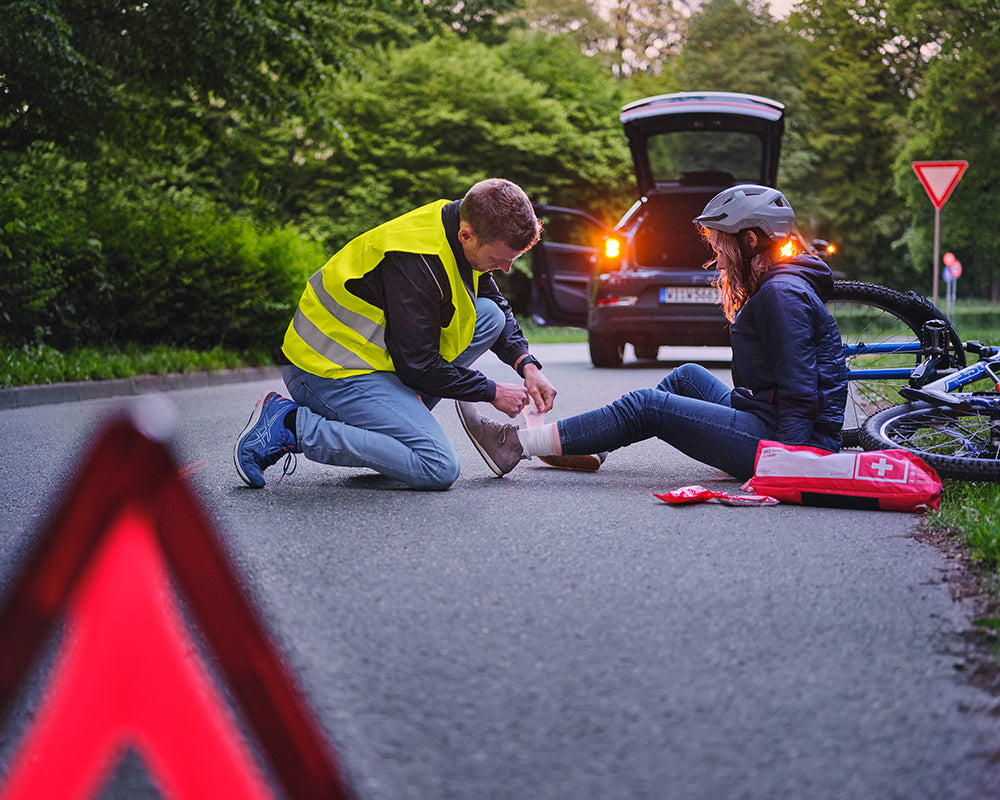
<point>705,156</point>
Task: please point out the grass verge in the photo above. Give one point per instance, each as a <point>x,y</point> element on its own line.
<point>538,334</point>
<point>41,364</point>
<point>969,519</point>
<point>967,529</point>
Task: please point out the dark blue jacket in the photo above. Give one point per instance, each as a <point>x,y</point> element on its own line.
<point>787,355</point>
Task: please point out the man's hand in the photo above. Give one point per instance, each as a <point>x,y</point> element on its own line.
<point>510,398</point>
<point>538,386</point>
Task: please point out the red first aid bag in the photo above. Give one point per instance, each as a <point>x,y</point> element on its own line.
<point>890,480</point>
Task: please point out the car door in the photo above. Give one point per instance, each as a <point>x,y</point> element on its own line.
<point>562,263</point>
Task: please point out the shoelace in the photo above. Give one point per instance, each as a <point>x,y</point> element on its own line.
<point>291,462</point>
<point>291,459</point>
<point>500,432</point>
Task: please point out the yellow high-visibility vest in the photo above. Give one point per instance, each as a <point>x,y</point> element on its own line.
<point>335,334</point>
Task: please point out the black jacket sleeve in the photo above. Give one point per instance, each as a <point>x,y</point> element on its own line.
<point>511,344</point>
<point>416,296</point>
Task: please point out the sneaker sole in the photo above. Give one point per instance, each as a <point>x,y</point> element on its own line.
<point>486,456</point>
<point>254,416</point>
<point>577,463</point>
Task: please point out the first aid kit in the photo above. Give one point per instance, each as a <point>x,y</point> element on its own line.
<point>887,480</point>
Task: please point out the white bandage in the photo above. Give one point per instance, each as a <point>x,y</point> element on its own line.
<point>540,441</point>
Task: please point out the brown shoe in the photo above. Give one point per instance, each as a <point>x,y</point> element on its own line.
<point>496,442</point>
<point>589,463</point>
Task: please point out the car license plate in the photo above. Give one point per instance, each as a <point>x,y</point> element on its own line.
<point>689,294</point>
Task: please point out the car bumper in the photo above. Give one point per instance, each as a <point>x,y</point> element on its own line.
<point>680,325</point>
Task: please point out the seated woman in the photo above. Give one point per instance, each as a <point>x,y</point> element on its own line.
<point>786,354</point>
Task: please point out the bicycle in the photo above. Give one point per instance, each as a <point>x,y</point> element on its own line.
<point>884,342</point>
<point>898,344</point>
<point>956,432</point>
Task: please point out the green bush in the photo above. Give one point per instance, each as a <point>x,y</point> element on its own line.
<point>90,260</point>
<point>190,276</point>
<point>50,264</point>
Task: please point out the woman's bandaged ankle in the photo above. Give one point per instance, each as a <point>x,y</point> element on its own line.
<point>540,441</point>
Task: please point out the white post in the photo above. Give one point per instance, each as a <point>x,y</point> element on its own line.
<point>937,247</point>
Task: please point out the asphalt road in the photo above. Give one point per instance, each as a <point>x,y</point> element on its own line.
<point>565,636</point>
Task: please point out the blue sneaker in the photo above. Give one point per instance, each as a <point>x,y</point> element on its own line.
<point>265,439</point>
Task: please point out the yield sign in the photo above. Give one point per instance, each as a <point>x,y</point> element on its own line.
<point>939,178</point>
<point>127,673</point>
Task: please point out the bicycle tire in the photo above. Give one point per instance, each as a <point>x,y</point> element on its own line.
<point>872,314</point>
<point>959,443</point>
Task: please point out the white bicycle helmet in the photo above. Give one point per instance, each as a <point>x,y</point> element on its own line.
<point>749,206</point>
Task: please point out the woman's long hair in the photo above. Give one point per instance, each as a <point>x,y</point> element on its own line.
<point>737,279</point>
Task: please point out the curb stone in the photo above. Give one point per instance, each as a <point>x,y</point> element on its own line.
<point>46,394</point>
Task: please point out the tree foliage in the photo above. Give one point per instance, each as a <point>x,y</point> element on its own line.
<point>124,263</point>
<point>416,124</point>
<point>158,158</point>
<point>956,116</point>
<point>77,72</point>
<point>881,77</point>
<point>739,46</point>
<point>489,21</point>
<point>628,36</point>
<point>857,74</point>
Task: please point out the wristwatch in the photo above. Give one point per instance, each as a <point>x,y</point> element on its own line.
<point>529,359</point>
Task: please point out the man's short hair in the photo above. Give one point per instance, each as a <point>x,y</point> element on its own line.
<point>499,210</point>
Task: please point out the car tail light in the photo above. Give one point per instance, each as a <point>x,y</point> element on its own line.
<point>611,253</point>
<point>627,300</point>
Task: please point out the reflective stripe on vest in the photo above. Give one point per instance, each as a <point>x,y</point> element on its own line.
<point>330,348</point>
<point>336,334</point>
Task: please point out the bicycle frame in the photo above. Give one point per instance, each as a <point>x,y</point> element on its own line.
<point>901,373</point>
<point>947,383</point>
<point>967,375</point>
<point>945,411</point>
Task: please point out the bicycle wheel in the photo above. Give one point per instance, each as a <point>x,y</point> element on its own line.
<point>868,314</point>
<point>959,442</point>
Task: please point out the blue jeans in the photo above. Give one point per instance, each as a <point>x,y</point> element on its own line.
<point>689,409</point>
<point>376,421</point>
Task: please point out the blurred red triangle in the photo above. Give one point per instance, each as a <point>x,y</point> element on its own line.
<point>127,674</point>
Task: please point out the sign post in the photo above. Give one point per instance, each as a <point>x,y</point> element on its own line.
<point>952,272</point>
<point>939,179</point>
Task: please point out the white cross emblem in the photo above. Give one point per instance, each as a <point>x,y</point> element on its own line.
<point>882,466</point>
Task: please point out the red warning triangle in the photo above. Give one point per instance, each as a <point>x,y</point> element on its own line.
<point>126,535</point>
<point>939,178</point>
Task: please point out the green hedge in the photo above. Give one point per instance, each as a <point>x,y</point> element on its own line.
<point>201,280</point>
<point>118,266</point>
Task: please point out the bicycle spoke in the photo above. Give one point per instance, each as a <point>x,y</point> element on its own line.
<point>966,435</point>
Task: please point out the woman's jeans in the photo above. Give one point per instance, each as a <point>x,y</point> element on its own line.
<point>690,409</point>
<point>376,421</point>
